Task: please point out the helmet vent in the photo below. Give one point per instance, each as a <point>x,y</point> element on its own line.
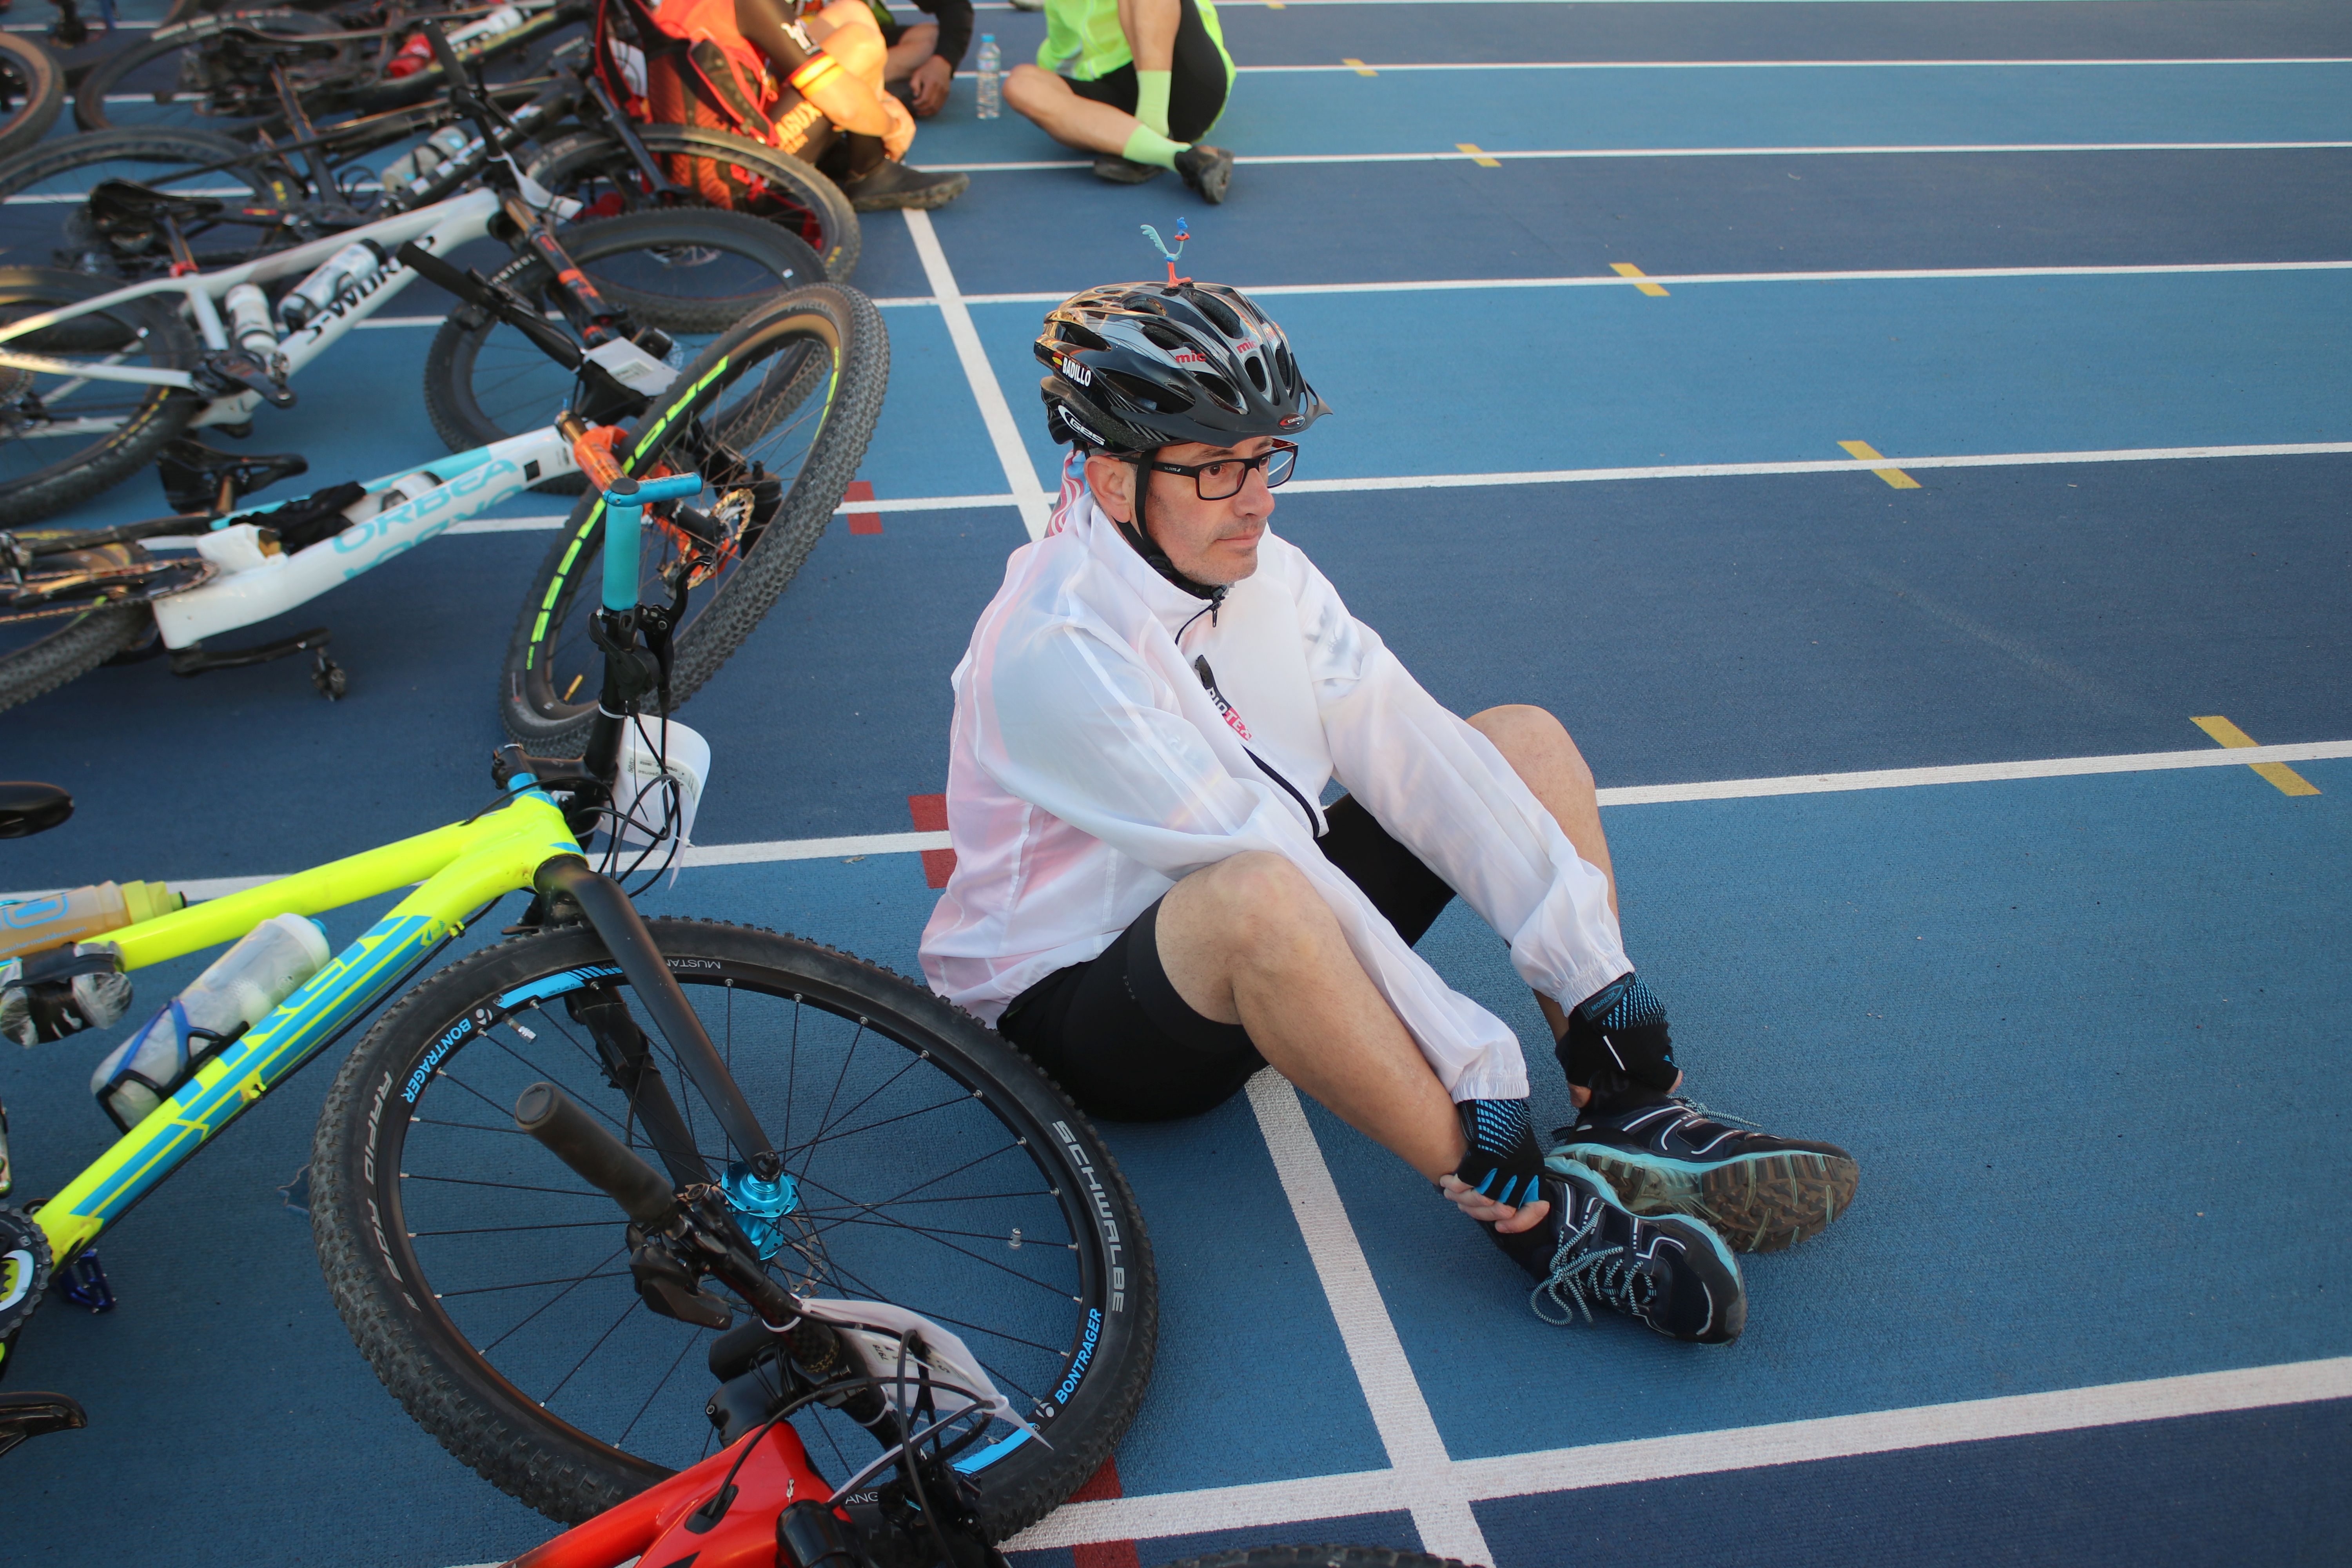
<point>1284,368</point>
<point>1168,337</point>
<point>1256,373</point>
<point>1217,311</point>
<point>1218,387</point>
<point>1078,337</point>
<point>1144,393</point>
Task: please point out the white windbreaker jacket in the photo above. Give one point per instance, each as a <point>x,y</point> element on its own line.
<point>1089,769</point>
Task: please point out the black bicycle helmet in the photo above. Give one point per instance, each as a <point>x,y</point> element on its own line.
<point>1136,366</point>
<point>1140,365</point>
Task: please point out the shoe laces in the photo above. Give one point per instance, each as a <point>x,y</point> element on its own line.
<point>1602,1275</point>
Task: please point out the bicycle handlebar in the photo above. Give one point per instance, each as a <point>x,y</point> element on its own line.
<point>624,500</point>
<point>581,1142</point>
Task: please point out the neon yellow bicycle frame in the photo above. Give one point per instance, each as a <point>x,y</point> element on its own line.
<point>461,868</point>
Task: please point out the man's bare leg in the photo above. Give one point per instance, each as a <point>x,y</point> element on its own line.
<point>1540,752</point>
<point>1249,942</point>
<point>1072,120</point>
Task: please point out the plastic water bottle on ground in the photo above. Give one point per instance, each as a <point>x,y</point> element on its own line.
<point>270,964</point>
<point>991,77</point>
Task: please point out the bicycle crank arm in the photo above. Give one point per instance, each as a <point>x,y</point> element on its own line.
<point>616,921</point>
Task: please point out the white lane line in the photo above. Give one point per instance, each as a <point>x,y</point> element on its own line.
<point>1706,1453</point>
<point>757,853</point>
<point>1978,147</point>
<point>1611,281</point>
<point>1532,477</point>
<point>1774,65</point>
<point>1421,1476</point>
<point>1027,494</point>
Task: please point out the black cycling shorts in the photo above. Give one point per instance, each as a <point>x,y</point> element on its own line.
<point>1196,85</point>
<point>1114,1032</point>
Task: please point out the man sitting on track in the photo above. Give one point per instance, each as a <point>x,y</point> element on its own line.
<point>1142,81</point>
<point>1149,901</point>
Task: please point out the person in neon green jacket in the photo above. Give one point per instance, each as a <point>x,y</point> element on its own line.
<point>1135,82</point>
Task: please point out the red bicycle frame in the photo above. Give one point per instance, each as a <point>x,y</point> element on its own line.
<point>664,1523</point>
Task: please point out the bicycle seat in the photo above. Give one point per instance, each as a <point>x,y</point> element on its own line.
<point>34,1414</point>
<point>29,808</point>
<point>127,214</point>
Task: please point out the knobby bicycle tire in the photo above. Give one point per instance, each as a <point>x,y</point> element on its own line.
<point>595,166</point>
<point>462,1327</point>
<point>526,383</point>
<point>37,225</point>
<point>66,649</point>
<point>37,93</point>
<point>544,696</point>
<point>139,422</point>
<point>1320,1557</point>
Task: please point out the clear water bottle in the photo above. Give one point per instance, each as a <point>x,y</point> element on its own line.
<point>991,77</point>
<point>416,168</point>
<point>348,271</point>
<point>240,989</point>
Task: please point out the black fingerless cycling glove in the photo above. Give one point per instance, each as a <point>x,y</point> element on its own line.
<point>1503,1161</point>
<point>1617,1039</point>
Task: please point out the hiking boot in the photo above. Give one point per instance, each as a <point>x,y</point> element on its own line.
<point>1671,1156</point>
<point>890,184</point>
<point>1208,170</point>
<point>1673,1276</point>
<point>1121,171</point>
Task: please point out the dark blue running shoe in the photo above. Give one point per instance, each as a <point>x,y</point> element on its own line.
<point>1670,1156</point>
<point>1673,1276</point>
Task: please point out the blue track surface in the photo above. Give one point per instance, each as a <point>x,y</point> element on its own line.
<point>2079,1031</point>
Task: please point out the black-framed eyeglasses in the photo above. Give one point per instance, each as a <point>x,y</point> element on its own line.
<point>1225,478</point>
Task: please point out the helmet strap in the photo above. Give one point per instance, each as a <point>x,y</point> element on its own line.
<point>1136,535</point>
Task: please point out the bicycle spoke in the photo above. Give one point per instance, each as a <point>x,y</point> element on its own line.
<point>692,1340</point>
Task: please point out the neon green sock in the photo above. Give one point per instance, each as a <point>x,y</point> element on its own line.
<point>1148,146</point>
<point>1151,98</point>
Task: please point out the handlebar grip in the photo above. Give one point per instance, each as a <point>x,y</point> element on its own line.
<point>624,500</point>
<point>581,1142</point>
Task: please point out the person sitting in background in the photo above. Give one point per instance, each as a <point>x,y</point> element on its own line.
<point>1135,82</point>
<point>741,61</point>
<point>923,55</point>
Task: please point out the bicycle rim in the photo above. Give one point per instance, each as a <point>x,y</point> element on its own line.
<point>919,1176</point>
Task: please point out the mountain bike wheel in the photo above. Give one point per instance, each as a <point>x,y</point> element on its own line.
<point>43,224</point>
<point>593,166</point>
<point>32,90</point>
<point>933,1167</point>
<point>63,438</point>
<point>692,272</point>
<point>193,75</point>
<point>775,417</point>
<point>37,657</point>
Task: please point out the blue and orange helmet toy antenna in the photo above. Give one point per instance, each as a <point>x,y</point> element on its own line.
<point>1182,233</point>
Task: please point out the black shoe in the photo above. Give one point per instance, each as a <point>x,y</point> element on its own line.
<point>1121,171</point>
<point>1670,1156</point>
<point>1208,170</point>
<point>891,184</point>
<point>1673,1276</point>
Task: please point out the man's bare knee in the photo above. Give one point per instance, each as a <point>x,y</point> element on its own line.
<point>1029,89</point>
<point>1534,742</point>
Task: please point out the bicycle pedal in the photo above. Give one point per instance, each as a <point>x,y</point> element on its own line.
<point>84,1283</point>
<point>223,373</point>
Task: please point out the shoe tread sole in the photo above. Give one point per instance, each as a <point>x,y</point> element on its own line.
<point>1757,1203</point>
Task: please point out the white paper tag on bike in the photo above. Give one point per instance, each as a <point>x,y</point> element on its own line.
<point>879,1336</point>
<point>649,748</point>
<point>633,367</point>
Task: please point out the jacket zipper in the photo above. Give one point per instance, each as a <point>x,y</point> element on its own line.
<point>1209,684</point>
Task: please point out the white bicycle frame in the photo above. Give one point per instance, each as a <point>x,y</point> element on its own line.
<point>256,582</point>
<point>440,228</point>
